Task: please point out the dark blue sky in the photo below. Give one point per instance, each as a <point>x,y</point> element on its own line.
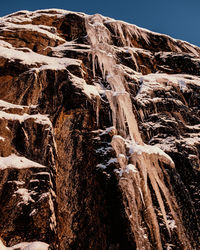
<point>177,18</point>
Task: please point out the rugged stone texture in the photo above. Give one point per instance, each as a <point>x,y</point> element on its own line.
<point>61,179</point>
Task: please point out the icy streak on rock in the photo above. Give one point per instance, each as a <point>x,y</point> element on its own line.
<point>147,160</point>
<point>119,99</point>
<point>130,31</point>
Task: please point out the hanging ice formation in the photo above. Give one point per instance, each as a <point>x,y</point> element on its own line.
<point>144,163</point>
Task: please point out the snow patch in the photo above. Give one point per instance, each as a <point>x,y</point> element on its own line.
<point>89,90</point>
<point>25,195</point>
<point>40,61</point>
<point>148,149</point>
<point>39,118</point>
<point>2,138</point>
<point>7,105</point>
<point>36,245</point>
<point>43,29</point>
<point>18,162</point>
<point>129,168</point>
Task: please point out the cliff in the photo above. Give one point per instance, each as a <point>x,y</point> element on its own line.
<point>99,135</point>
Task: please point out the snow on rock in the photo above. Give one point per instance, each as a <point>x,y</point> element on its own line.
<point>130,168</point>
<point>108,131</point>
<point>34,59</point>
<point>7,105</point>
<point>135,148</point>
<point>29,27</point>
<point>28,16</point>
<point>18,183</point>
<point>131,30</point>
<point>163,82</point>
<point>18,162</point>
<point>2,138</point>
<point>25,195</point>
<point>105,40</point>
<point>148,149</point>
<point>88,90</point>
<point>39,118</point>
<point>36,245</point>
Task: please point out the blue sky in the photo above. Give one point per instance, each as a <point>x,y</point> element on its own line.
<point>177,18</point>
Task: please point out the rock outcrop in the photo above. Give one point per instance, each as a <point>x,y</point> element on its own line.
<point>99,135</point>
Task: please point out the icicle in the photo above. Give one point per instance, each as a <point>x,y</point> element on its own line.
<point>146,158</point>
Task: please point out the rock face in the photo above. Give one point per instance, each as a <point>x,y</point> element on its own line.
<point>99,135</point>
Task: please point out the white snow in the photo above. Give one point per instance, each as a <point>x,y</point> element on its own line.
<point>25,195</point>
<point>172,224</point>
<point>190,141</point>
<point>18,162</point>
<point>104,150</point>
<point>35,180</point>
<point>129,168</point>
<point>111,161</point>
<point>108,130</point>
<point>43,173</point>
<point>18,183</point>
<point>43,29</point>
<point>2,138</point>
<point>7,105</point>
<point>44,195</point>
<point>59,50</point>
<point>5,44</point>
<point>33,212</point>
<point>88,90</point>
<point>36,245</point>
<point>38,118</point>
<point>28,16</point>
<point>37,60</point>
<point>163,82</point>
<point>148,149</point>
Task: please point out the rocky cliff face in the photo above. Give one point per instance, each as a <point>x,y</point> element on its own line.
<point>99,135</point>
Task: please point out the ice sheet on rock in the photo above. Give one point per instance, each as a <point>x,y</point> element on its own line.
<point>118,97</point>
<point>18,162</point>
<point>133,30</point>
<point>130,31</point>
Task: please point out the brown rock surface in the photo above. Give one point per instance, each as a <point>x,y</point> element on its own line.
<point>99,134</point>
